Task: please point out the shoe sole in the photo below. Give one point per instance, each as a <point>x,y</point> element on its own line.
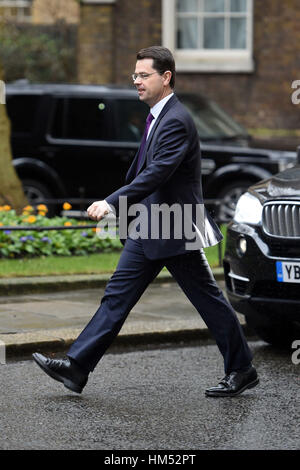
<point>224,394</point>
<point>67,383</point>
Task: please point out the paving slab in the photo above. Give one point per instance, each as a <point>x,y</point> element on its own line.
<point>53,320</point>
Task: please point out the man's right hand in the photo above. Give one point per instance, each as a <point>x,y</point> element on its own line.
<point>98,210</point>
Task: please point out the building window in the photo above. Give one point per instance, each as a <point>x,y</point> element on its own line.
<point>209,35</point>
<point>18,10</point>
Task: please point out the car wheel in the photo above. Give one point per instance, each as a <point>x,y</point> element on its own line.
<point>229,196</point>
<point>280,333</point>
<point>37,193</point>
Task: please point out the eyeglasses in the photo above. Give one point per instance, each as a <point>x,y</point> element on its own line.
<point>142,76</point>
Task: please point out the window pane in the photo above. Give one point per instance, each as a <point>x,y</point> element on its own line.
<point>238,33</point>
<point>214,5</point>
<point>187,5</point>
<point>131,117</point>
<point>21,110</point>
<point>13,11</point>
<point>238,5</point>
<point>87,118</point>
<point>210,120</point>
<point>214,33</point>
<point>187,33</point>
<point>26,12</point>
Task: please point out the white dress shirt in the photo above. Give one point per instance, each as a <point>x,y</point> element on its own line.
<point>156,110</point>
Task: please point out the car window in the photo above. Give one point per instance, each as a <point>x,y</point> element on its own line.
<point>130,120</point>
<point>21,110</point>
<point>81,118</point>
<point>210,120</point>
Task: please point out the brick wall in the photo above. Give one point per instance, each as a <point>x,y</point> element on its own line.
<point>261,100</point>
<point>96,55</point>
<point>137,25</point>
<point>49,11</point>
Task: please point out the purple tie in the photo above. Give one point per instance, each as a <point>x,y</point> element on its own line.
<point>143,142</point>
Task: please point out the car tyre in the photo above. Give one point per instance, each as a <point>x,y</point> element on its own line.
<point>230,195</point>
<point>37,193</point>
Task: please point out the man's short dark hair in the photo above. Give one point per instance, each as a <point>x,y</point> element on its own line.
<point>163,60</point>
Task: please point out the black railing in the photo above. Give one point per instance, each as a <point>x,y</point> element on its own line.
<point>45,228</point>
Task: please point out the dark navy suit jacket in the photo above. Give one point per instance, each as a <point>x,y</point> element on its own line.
<point>170,173</point>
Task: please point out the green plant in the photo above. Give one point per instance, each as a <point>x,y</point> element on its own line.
<point>64,242</point>
<point>39,53</point>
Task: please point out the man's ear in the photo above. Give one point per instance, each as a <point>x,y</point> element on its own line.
<point>167,77</point>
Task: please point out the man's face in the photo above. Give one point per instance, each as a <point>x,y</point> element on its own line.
<point>152,89</point>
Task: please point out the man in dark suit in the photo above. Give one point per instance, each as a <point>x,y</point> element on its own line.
<point>164,182</point>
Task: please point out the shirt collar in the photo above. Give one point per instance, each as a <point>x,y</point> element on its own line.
<point>156,110</point>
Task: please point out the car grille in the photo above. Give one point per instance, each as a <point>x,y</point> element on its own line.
<point>284,248</point>
<point>281,219</point>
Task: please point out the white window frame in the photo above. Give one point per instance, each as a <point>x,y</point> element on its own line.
<point>206,60</point>
<point>20,5</point>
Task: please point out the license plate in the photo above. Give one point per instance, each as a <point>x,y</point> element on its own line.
<point>288,272</point>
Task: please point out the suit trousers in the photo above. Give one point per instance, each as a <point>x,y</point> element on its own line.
<point>132,276</point>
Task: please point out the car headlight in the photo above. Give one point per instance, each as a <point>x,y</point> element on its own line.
<point>288,160</point>
<point>248,210</point>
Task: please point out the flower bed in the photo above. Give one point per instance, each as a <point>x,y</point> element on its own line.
<point>65,242</point>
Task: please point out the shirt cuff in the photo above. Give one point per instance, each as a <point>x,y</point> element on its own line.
<point>109,207</point>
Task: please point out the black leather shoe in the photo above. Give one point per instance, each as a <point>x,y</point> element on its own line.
<point>63,370</point>
<point>234,383</point>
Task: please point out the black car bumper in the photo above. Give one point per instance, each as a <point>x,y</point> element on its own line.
<point>251,276</point>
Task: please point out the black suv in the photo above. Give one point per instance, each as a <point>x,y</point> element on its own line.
<point>262,257</point>
<point>73,141</point>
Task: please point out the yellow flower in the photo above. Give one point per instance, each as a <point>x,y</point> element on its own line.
<point>42,213</point>
<point>1,224</point>
<point>31,219</point>
<point>27,209</point>
<point>67,224</point>
<point>42,208</point>
<point>25,212</point>
<point>67,206</point>
<point>6,208</point>
<point>1,208</point>
<point>96,229</point>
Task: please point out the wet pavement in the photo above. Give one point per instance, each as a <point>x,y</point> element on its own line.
<point>54,320</point>
<point>148,395</point>
<point>153,399</point>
